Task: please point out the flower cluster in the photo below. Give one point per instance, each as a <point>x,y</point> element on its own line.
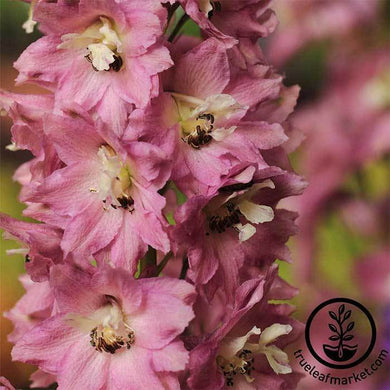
<point>159,161</point>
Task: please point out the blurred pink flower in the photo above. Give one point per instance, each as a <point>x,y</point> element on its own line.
<point>373,275</point>
<point>345,129</point>
<point>304,21</point>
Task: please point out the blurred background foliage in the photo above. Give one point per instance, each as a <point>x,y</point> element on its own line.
<point>339,246</point>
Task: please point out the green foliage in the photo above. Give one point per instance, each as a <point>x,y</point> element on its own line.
<point>307,69</point>
<point>11,266</point>
<point>13,37</point>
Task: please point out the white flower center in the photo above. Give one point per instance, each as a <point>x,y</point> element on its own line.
<point>101,44</point>
<point>237,355</point>
<point>199,119</point>
<point>225,211</point>
<point>114,185</point>
<point>108,327</point>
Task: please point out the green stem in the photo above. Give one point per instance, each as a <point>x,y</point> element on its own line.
<point>184,268</point>
<point>171,11</point>
<point>150,259</point>
<point>178,27</point>
<point>164,262</point>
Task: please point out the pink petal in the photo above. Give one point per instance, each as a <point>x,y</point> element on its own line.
<point>164,300</point>
<point>43,63</point>
<point>57,338</point>
<point>81,84</point>
<point>91,230</point>
<point>74,138</point>
<point>173,357</point>
<point>83,367</point>
<point>203,71</point>
<point>67,190</point>
<point>133,370</point>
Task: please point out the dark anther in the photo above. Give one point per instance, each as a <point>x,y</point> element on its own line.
<point>201,135</point>
<point>117,64</point>
<point>202,138</point>
<point>126,202</point>
<point>217,7</point>
<point>27,258</point>
<point>220,223</point>
<point>208,117</point>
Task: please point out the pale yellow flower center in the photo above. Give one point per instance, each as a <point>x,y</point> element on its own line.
<point>108,327</point>
<point>198,118</point>
<point>115,182</point>
<point>237,355</point>
<point>101,43</point>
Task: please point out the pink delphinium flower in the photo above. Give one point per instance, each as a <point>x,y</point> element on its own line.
<point>26,112</point>
<point>110,331</point>
<point>203,107</point>
<point>141,172</point>
<point>99,54</point>
<point>222,232</point>
<point>106,191</point>
<point>34,307</point>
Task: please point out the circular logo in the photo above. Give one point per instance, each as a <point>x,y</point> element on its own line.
<point>340,333</point>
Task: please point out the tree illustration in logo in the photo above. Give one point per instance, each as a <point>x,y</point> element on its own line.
<point>342,351</point>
